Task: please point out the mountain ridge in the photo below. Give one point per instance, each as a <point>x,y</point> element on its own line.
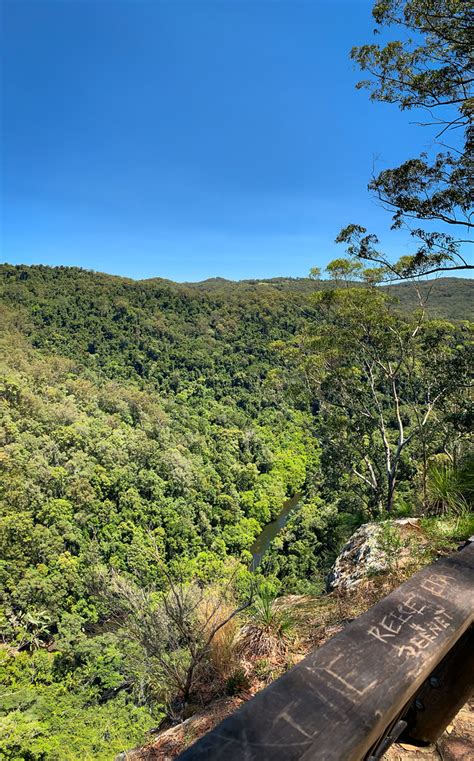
<point>449,297</point>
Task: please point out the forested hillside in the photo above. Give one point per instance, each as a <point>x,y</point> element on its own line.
<point>445,297</point>
<point>138,418</point>
<point>151,429</point>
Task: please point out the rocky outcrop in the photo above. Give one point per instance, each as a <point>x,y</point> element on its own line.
<point>373,549</point>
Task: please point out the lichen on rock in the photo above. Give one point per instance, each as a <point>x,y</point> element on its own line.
<point>372,550</point>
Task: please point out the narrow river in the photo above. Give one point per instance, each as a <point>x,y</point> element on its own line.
<point>263,540</point>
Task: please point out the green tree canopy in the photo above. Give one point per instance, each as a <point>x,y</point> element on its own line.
<point>429,69</point>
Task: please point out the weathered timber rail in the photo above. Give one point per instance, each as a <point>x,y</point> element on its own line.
<point>403,669</point>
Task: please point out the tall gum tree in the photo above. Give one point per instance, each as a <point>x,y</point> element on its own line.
<point>430,68</point>
<point>380,381</point>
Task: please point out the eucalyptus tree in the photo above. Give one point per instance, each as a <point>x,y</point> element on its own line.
<point>380,380</point>
<point>427,69</point>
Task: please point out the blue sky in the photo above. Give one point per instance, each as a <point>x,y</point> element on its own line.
<point>189,140</point>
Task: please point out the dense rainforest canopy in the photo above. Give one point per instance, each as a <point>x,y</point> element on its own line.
<point>151,429</point>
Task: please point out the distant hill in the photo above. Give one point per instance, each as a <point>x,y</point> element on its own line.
<point>449,297</point>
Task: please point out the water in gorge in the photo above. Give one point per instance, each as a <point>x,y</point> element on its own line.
<point>265,538</point>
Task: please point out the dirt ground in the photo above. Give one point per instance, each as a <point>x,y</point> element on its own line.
<point>455,744</point>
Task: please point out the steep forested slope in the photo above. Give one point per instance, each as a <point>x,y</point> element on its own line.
<point>148,428</point>
<point>142,407</point>
<point>138,420</point>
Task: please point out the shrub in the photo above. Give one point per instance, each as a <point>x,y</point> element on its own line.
<point>237,682</point>
<point>269,628</point>
<point>450,487</point>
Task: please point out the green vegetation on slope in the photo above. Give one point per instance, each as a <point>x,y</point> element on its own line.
<point>136,418</point>
<point>150,430</point>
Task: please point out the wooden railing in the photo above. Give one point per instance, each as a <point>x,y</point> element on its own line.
<point>401,670</point>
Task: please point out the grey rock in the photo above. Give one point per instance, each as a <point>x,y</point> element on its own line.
<point>363,556</point>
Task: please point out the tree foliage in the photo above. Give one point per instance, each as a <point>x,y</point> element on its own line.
<point>429,69</point>
<point>138,420</point>
<point>150,431</point>
<point>382,381</point>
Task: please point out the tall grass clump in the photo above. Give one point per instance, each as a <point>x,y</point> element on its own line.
<point>269,628</point>
<point>450,486</point>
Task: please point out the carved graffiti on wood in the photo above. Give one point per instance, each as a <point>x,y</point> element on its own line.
<point>415,620</point>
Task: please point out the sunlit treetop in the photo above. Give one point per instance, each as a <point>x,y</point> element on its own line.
<point>428,68</point>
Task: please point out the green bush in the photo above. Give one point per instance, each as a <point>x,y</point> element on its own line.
<point>450,486</point>
<point>237,682</point>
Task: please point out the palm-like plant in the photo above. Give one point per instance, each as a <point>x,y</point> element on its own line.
<point>270,626</point>
<point>450,486</point>
<point>32,629</point>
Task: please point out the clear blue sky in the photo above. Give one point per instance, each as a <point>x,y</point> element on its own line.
<point>189,139</point>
